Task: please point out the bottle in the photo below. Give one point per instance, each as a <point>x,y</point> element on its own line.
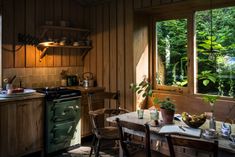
<point>212,123</point>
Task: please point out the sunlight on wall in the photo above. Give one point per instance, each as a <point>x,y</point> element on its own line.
<point>142,70</point>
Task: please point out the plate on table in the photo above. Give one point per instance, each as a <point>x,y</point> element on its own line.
<point>26,92</point>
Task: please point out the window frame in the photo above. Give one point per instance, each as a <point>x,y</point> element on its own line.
<point>191,89</point>
<point>189,16</point>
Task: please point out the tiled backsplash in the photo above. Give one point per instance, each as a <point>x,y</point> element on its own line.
<point>39,77</point>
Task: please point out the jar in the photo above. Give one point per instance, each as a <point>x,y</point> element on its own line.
<point>9,88</point>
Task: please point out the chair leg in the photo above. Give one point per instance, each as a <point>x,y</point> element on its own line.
<point>97,148</point>
<point>92,145</point>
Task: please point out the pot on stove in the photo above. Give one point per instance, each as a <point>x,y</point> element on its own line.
<point>88,80</point>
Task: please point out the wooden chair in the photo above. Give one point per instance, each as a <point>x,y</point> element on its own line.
<point>206,146</point>
<point>97,114</point>
<point>126,142</point>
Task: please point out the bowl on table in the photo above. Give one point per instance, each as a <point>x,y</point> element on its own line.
<point>193,121</point>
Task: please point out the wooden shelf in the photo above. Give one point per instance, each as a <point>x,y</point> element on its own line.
<point>85,33</point>
<point>65,28</point>
<point>66,46</point>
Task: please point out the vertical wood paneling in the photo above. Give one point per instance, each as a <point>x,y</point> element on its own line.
<point>87,23</point>
<point>129,53</point>
<point>113,48</point>
<point>120,51</point>
<point>93,39</point>
<point>146,3</point>
<point>7,34</point>
<point>30,29</point>
<point>165,1</point>
<point>65,16</point>
<point>137,4</point>
<point>155,2</point>
<point>19,28</point>
<point>79,23</point>
<point>49,59</point>
<point>57,34</point>
<point>99,46</point>
<point>12,140</point>
<point>73,35</point>
<point>40,20</point>
<point>106,46</point>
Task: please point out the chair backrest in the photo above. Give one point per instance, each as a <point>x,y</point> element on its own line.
<point>96,100</point>
<point>96,108</point>
<point>207,146</point>
<point>135,127</point>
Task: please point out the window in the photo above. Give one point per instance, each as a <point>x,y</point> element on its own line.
<point>212,53</point>
<point>216,51</point>
<point>171,41</point>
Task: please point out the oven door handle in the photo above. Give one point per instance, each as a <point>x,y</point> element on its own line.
<point>67,99</point>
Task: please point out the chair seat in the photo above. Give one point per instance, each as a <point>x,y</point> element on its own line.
<point>108,133</point>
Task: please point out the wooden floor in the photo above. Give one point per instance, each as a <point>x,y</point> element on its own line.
<point>84,150</point>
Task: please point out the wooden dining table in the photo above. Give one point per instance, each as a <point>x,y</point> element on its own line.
<point>159,143</point>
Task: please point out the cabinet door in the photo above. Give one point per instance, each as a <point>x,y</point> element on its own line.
<point>8,140</point>
<point>29,126</point>
<point>21,127</point>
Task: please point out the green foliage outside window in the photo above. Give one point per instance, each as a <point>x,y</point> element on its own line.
<point>215,52</point>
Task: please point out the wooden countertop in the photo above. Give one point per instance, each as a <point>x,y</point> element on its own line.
<point>31,96</point>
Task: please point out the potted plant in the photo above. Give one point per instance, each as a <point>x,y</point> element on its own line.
<point>143,90</point>
<point>167,108</point>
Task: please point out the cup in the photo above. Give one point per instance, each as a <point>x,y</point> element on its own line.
<point>140,113</point>
<point>225,129</point>
<point>154,114</point>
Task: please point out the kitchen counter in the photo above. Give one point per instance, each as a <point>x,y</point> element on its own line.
<point>87,90</point>
<point>26,97</point>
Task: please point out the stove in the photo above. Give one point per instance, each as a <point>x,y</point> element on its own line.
<point>62,118</point>
<point>58,92</point>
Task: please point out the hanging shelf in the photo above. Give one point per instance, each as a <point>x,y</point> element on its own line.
<point>45,29</point>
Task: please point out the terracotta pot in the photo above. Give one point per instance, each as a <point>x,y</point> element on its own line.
<point>167,116</point>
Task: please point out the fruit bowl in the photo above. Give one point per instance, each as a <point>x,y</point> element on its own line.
<point>194,121</point>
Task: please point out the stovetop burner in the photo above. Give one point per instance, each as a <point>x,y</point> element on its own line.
<point>58,92</point>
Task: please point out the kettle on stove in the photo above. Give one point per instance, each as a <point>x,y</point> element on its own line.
<point>88,80</point>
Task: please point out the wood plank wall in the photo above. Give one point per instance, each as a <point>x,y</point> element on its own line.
<point>26,17</point>
<point>112,57</point>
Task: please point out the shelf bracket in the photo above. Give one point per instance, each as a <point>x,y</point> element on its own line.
<point>85,51</point>
<point>43,53</point>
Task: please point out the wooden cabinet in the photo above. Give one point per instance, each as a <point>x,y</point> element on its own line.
<point>21,127</point>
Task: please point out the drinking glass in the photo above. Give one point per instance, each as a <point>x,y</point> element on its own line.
<point>140,113</point>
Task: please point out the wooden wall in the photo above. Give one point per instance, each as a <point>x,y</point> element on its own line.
<point>111,59</point>
<point>26,17</point>
<point>115,50</point>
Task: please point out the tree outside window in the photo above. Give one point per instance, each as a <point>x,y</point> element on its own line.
<point>171,52</point>
<point>216,51</point>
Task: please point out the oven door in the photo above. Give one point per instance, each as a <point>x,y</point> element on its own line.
<point>64,125</point>
<point>65,110</point>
